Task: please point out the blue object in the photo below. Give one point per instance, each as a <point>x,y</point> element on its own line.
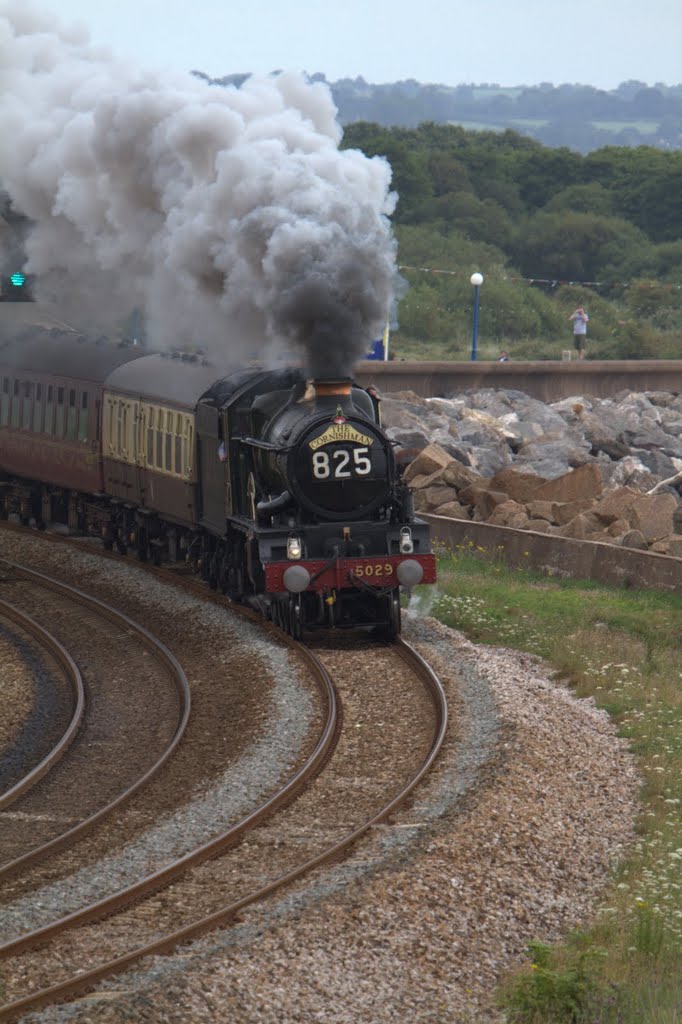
<point>377,350</point>
<point>474,335</point>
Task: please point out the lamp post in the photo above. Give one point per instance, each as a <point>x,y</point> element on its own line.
<point>476,280</point>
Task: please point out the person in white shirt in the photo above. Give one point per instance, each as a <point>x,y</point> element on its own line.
<point>579,319</point>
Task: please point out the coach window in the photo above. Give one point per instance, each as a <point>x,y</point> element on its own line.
<point>110,432</point>
<point>60,413</point>
<point>38,410</point>
<point>159,439</point>
<point>71,416</point>
<point>82,418</point>
<point>177,440</point>
<point>149,416</point>
<point>4,402</point>
<point>168,442</point>
<point>124,429</point>
<point>49,410</point>
<point>27,407</point>
<point>119,429</point>
<point>16,403</point>
<point>188,447</point>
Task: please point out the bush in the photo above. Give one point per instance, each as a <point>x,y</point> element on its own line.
<point>560,993</point>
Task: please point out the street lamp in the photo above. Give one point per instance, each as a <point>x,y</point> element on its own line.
<point>476,280</point>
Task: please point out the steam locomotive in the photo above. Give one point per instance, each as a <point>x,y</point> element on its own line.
<point>280,491</point>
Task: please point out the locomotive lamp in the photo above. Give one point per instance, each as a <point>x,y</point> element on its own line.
<point>406,543</point>
<point>294,547</point>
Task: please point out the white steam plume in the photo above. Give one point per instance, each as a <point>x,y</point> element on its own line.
<point>229,215</point>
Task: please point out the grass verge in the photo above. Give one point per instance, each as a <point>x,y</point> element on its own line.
<point>623,648</point>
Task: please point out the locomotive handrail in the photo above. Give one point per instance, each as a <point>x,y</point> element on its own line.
<point>272,504</point>
<point>265,445</point>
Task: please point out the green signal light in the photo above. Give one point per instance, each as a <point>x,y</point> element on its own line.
<point>17,279</point>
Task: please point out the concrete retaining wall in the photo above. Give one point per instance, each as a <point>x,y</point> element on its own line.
<point>562,556</point>
<point>546,380</point>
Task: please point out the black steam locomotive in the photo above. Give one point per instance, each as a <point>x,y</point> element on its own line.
<point>282,492</point>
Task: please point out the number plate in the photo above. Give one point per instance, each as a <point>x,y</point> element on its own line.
<point>373,570</point>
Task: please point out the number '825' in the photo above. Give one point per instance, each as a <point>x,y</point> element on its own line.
<point>341,463</point>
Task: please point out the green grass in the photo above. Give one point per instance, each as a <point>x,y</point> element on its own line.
<point>644,127</point>
<point>624,649</point>
<point>480,126</point>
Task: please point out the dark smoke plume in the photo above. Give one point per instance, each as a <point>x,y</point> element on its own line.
<point>230,216</point>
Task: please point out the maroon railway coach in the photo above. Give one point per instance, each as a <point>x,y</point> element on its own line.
<point>51,384</point>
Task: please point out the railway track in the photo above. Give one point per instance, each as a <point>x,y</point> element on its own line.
<point>88,788</point>
<point>51,646</point>
<point>150,926</point>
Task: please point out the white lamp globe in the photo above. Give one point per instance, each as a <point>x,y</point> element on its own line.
<point>476,279</point>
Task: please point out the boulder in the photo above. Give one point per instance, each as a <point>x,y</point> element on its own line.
<point>429,498</point>
<point>634,539</point>
<point>652,514</point>
<point>617,504</point>
<point>485,503</point>
<point>584,482</point>
<point>505,512</point>
<point>459,476</point>
<point>544,510</point>
<point>428,461</point>
<point>564,511</point>
<point>677,518</point>
<point>618,528</point>
<point>540,526</point>
<point>581,527</point>
<point>519,486</point>
<point>675,545</point>
<point>452,509</point>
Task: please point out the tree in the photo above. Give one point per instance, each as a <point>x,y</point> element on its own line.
<point>573,246</point>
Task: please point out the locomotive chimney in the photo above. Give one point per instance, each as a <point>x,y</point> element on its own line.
<point>332,388</point>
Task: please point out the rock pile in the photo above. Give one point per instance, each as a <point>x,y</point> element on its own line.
<point>606,470</point>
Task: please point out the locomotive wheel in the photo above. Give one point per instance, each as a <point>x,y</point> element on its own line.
<point>295,617</point>
<point>141,546</point>
<point>391,606</point>
<point>213,573</point>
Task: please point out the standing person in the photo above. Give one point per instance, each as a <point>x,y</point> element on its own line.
<point>579,319</point>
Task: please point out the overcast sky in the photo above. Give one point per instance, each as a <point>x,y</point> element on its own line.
<point>593,42</point>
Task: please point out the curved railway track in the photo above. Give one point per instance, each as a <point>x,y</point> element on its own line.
<point>72,674</point>
<point>93,612</point>
<point>295,865</point>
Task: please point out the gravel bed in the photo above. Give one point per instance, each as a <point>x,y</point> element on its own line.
<point>512,837</point>
<point>33,711</point>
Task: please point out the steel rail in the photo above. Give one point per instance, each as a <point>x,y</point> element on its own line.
<point>172,666</point>
<point>85,981</point>
<point>72,673</point>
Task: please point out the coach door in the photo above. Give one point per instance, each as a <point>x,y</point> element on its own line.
<point>213,462</point>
